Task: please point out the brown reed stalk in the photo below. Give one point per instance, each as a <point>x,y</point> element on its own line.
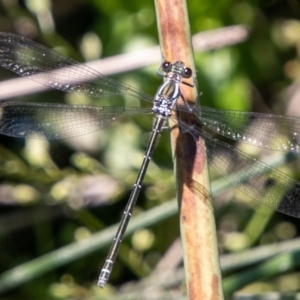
<point>197,223</point>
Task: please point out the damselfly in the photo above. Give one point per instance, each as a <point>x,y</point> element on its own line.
<point>57,121</point>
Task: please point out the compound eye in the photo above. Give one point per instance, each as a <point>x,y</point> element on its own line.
<point>187,73</point>
<point>166,66</point>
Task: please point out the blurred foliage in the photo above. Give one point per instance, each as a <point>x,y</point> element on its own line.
<point>53,194</point>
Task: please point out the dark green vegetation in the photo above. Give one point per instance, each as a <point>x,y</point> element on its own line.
<point>65,192</point>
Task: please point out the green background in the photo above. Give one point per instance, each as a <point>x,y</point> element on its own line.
<point>79,187</point>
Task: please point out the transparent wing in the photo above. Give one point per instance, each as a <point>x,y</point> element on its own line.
<point>273,132</point>
<point>261,182</point>
<point>251,176</point>
<point>56,121</point>
<point>40,64</point>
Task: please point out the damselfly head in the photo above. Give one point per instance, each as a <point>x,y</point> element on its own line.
<point>178,67</point>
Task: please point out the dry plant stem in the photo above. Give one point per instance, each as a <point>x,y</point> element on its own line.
<point>198,232</point>
<point>204,41</point>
